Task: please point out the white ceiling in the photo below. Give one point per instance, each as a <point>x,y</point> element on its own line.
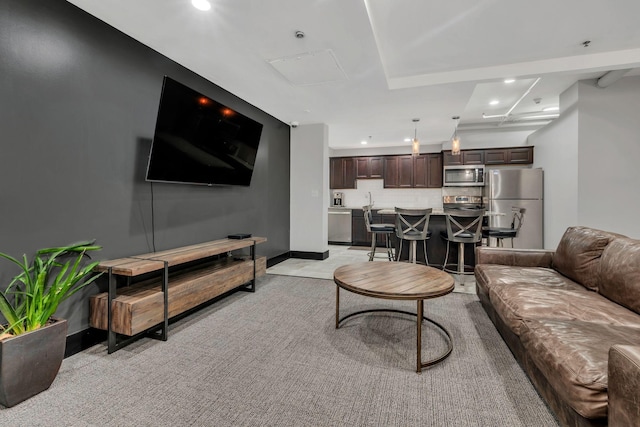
<point>366,68</point>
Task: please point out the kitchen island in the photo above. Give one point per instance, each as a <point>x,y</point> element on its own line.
<point>436,245</point>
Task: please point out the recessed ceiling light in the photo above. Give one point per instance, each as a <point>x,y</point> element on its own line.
<point>509,80</point>
<point>201,4</point>
<point>363,142</point>
<point>494,102</point>
<point>408,139</point>
<point>551,109</point>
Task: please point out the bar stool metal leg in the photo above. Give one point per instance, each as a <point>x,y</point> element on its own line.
<point>373,246</point>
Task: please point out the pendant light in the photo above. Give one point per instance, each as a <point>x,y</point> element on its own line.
<point>415,144</point>
<point>455,142</point>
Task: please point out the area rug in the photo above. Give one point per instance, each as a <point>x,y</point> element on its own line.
<point>274,358</point>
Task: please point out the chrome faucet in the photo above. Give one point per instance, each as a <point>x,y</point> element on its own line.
<point>370,199</point>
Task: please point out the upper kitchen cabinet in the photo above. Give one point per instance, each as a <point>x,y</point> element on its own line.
<point>421,171</point>
<point>509,156</point>
<point>398,171</point>
<point>342,172</point>
<point>466,157</point>
<point>427,170</point>
<point>491,156</point>
<point>369,167</point>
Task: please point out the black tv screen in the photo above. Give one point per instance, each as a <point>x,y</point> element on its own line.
<point>200,141</point>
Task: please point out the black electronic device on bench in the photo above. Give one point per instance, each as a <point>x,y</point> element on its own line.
<point>239,236</point>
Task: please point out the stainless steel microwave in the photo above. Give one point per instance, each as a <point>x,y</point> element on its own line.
<point>464,176</point>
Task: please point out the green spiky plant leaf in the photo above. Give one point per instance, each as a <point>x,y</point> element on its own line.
<point>53,275</point>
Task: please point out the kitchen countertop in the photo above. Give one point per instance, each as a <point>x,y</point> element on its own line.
<point>435,211</point>
<point>392,211</point>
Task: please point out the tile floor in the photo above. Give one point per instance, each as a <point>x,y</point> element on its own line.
<point>341,255</point>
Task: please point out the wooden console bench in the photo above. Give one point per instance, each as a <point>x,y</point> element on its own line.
<point>173,281</point>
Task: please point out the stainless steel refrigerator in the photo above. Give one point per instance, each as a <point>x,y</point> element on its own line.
<point>522,188</point>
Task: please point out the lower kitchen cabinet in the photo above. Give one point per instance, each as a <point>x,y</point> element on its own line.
<point>359,234</point>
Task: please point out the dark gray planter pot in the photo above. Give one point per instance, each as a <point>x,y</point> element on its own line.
<point>30,362</point>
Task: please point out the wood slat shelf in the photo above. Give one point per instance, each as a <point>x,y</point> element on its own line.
<point>140,306</point>
<point>195,278</point>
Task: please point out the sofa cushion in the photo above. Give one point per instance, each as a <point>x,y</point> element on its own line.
<point>493,275</point>
<point>517,303</point>
<point>578,254</point>
<point>620,273</point>
<point>573,356</point>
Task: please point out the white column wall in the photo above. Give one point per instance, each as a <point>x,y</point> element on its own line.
<point>556,152</point>
<point>309,188</point>
<point>590,155</point>
<point>609,149</point>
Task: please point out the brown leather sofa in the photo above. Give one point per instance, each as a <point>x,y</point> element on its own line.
<point>571,317</point>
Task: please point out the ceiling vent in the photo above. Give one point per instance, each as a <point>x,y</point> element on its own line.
<point>310,68</point>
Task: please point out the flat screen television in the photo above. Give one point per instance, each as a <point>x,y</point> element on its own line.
<point>200,141</point>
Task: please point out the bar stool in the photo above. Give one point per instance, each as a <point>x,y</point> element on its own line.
<point>463,226</point>
<point>375,229</point>
<point>501,233</point>
<point>413,225</point>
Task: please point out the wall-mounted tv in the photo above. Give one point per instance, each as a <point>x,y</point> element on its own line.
<point>200,141</point>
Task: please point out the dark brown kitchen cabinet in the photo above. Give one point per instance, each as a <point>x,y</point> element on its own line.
<point>523,155</point>
<point>421,171</point>
<point>466,157</point>
<point>406,171</point>
<point>490,156</point>
<point>427,171</point>
<point>391,172</point>
<point>342,172</point>
<point>369,167</point>
<point>359,234</point>
<point>509,156</point>
<point>398,171</point>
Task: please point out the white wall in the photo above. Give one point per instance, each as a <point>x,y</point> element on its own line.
<point>391,197</point>
<point>590,155</point>
<point>556,152</point>
<point>490,138</point>
<point>309,188</point>
<point>368,150</point>
<point>609,150</point>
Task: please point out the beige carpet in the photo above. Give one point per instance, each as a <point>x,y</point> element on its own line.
<point>274,358</point>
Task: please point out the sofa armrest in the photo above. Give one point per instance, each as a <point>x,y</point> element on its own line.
<point>624,385</point>
<point>514,257</point>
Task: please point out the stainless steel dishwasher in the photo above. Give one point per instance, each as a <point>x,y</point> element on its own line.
<point>339,225</point>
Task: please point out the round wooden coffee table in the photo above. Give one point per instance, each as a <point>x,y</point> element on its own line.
<point>398,281</point>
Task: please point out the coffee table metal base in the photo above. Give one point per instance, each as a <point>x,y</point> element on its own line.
<point>420,365</point>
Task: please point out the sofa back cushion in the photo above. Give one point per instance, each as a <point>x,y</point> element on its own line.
<point>620,273</point>
<point>578,254</point>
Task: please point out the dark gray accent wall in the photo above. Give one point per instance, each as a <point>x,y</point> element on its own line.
<point>78,103</point>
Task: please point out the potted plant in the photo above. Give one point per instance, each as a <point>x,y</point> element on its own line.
<point>32,342</point>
